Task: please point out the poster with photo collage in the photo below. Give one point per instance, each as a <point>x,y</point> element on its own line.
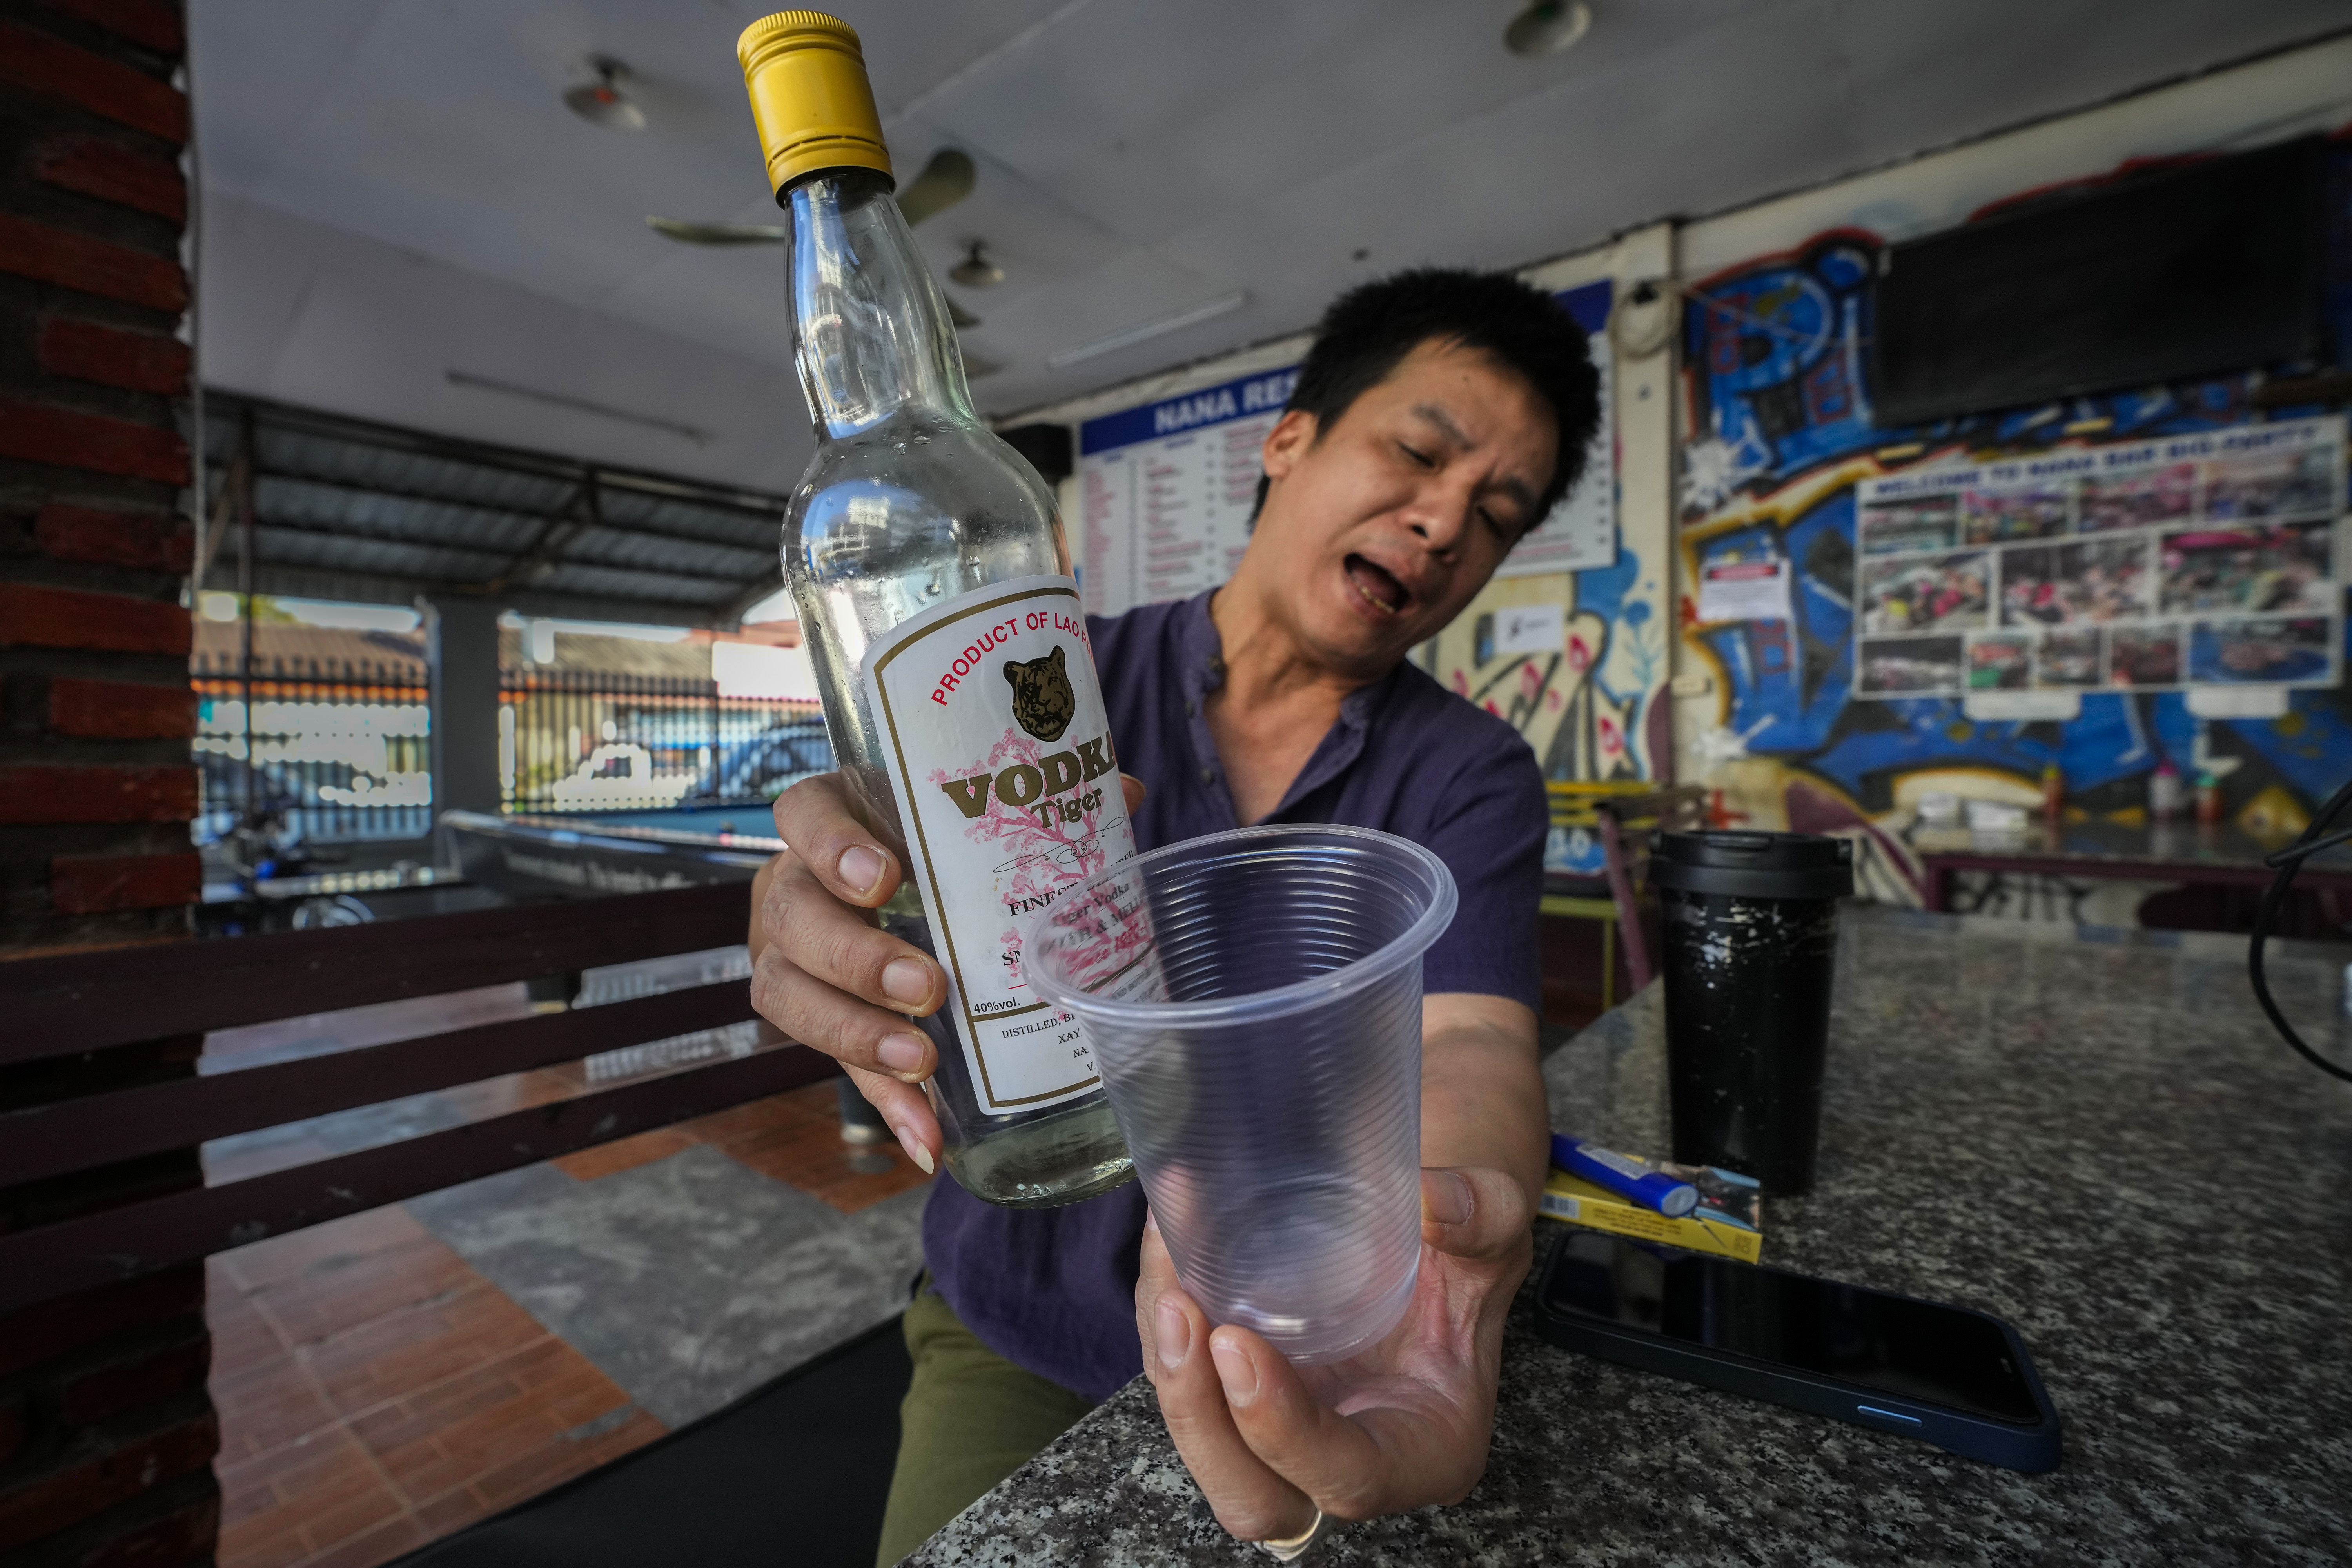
<point>2187,560</point>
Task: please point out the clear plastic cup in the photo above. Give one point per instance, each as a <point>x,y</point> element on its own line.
<point>1252,1000</point>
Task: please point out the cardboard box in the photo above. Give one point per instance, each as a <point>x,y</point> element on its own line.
<point>1728,1222</point>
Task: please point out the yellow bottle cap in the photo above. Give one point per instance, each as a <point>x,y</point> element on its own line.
<point>810,96</point>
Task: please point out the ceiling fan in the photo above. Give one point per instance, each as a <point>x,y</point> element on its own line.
<point>946,180</point>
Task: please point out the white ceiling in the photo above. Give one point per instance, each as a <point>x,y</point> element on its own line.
<point>394,189</point>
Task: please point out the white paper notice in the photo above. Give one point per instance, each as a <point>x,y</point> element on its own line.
<point>1744,591</point>
<point>2022,707</point>
<point>1582,532</point>
<point>1530,628</point>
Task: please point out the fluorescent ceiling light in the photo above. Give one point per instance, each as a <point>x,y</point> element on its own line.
<point>1062,359</point>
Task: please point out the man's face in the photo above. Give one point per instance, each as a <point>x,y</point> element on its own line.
<point>1380,527</point>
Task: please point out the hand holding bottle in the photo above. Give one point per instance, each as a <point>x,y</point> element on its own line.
<point>937,596</point>
<point>827,976</point>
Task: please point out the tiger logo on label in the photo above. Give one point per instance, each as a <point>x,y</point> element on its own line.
<point>1042,702</point>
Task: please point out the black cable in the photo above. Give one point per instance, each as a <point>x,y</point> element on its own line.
<point>2314,838</point>
<point>2299,853</point>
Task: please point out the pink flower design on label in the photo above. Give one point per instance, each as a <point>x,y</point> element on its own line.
<point>1046,811</point>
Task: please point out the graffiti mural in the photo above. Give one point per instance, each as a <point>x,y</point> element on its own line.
<point>1574,661</point>
<point>1525,651</point>
<point>1781,431</point>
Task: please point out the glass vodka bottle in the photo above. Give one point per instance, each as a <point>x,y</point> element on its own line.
<point>933,582</point>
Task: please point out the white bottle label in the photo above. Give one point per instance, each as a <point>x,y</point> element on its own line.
<point>999,747</point>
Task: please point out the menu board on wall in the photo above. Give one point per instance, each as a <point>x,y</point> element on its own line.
<point>2206,559</point>
<point>1166,489</point>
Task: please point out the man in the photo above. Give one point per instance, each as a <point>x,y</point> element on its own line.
<point>1436,420</point>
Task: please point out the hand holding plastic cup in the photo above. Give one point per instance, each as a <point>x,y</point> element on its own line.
<point>1252,1000</point>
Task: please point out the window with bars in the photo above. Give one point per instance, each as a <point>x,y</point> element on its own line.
<point>601,741</point>
<point>326,751</point>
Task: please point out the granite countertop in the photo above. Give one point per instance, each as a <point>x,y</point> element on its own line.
<point>2090,1132</point>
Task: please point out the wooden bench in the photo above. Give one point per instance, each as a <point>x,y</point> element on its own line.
<point>60,1006</point>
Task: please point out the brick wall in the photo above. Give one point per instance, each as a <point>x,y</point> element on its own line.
<point>106,1431</point>
<point>95,710</point>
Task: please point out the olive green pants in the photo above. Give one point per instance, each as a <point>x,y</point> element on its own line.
<point>969,1419</point>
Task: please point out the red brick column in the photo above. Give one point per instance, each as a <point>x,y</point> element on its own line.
<point>106,1430</point>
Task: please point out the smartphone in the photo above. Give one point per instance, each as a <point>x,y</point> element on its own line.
<point>1956,1378</point>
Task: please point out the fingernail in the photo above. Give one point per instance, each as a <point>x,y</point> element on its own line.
<point>914,1148</point>
<point>1448,1196</point>
<point>906,980</point>
<point>902,1054</point>
<point>1172,1333</point>
<point>1237,1372</point>
<point>860,868</point>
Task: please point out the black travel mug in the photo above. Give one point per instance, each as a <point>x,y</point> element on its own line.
<point>1751,928</point>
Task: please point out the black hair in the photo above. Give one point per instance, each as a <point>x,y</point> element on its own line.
<point>1367,331</point>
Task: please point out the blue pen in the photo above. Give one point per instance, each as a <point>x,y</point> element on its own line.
<point>1624,1175</point>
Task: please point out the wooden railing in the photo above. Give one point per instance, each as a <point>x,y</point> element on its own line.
<point>67,1004</point>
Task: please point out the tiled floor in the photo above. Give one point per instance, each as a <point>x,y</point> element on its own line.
<point>376,1392</point>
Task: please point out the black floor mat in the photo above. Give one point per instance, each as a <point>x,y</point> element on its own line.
<point>793,1474</point>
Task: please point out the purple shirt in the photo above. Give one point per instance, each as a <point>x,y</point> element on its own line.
<point>1054,1289</point>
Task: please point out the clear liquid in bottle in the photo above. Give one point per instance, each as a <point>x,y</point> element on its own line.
<point>933,582</point>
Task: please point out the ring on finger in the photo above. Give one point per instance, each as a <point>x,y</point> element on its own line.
<point>1292,1548</point>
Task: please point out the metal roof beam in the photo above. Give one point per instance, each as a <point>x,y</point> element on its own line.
<point>312,530</point>
<point>545,552</point>
<point>568,513</point>
<point>691,588</point>
<point>223,409</point>
<point>295,581</point>
<point>700,590</point>
<point>602,482</point>
<point>402,492</point>
<point>338,490</point>
<point>505,573</point>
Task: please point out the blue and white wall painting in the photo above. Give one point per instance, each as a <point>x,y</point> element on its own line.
<point>1779,433</point>
<point>1576,660</point>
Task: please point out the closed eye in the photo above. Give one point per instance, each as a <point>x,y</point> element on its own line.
<point>1423,459</point>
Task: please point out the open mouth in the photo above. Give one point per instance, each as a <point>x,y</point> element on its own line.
<point>1376,586</point>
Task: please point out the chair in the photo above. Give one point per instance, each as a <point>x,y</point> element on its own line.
<point>1583,894</point>
<point>1630,826</point>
